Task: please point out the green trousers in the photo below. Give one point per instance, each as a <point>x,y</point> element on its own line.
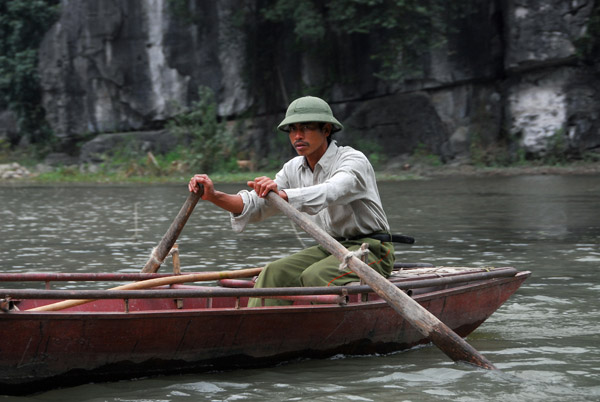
<point>315,266</point>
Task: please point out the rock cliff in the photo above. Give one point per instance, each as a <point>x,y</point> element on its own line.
<point>510,73</point>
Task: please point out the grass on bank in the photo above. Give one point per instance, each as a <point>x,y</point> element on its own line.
<point>417,169</point>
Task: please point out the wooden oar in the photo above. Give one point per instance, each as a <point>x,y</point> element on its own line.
<point>151,283</point>
<point>162,250</point>
<point>426,323</point>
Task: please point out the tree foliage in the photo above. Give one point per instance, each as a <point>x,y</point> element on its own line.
<point>404,29</point>
<point>23,24</point>
<point>209,145</point>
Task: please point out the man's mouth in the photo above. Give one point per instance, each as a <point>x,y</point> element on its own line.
<point>300,144</point>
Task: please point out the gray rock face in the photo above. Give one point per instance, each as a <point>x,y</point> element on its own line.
<point>115,66</point>
<point>402,122</point>
<point>103,68</point>
<point>542,32</point>
<point>583,111</point>
<point>140,142</point>
<point>547,105</point>
<point>537,107</point>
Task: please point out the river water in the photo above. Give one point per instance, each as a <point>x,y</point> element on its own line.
<point>545,339</point>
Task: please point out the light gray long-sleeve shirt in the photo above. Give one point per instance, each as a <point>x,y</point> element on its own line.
<point>341,194</point>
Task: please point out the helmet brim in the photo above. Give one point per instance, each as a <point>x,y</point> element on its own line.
<point>309,118</point>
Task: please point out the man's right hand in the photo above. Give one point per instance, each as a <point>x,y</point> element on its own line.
<point>204,180</point>
<point>229,202</point>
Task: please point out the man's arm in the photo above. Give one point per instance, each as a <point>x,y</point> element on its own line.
<point>229,202</point>
<point>232,202</point>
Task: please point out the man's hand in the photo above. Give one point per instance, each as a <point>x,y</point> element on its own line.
<point>204,180</point>
<point>263,185</point>
<point>229,202</point>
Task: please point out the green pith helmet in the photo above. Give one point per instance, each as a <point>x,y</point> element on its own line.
<point>309,109</point>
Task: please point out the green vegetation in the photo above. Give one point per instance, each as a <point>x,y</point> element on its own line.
<point>25,156</point>
<point>407,29</point>
<point>208,145</point>
<point>556,151</point>
<point>423,156</point>
<point>373,151</point>
<point>483,154</point>
<point>23,24</point>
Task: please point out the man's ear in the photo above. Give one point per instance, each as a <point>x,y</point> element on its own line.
<point>327,129</point>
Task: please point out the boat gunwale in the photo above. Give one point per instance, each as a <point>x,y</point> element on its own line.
<point>137,276</point>
<point>298,308</point>
<point>183,292</point>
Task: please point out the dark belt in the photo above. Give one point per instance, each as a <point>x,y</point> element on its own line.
<point>386,237</point>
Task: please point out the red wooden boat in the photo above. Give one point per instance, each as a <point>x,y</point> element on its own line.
<point>131,333</point>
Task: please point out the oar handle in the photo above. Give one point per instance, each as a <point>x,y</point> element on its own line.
<point>426,323</point>
<point>162,250</point>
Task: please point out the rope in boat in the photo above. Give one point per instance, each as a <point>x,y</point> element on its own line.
<point>155,258</point>
<point>297,234</point>
<point>438,271</point>
<point>172,253</point>
<point>362,251</point>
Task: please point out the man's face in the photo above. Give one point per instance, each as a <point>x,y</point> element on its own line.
<point>309,139</point>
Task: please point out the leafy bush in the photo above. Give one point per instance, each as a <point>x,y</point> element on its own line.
<point>407,29</point>
<point>490,154</point>
<point>373,151</point>
<point>208,146</point>
<point>422,155</point>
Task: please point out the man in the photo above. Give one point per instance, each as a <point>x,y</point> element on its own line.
<point>334,184</point>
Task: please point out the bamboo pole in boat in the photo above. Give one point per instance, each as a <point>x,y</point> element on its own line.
<point>151,283</point>
<point>426,323</point>
<point>231,288</point>
<point>164,247</point>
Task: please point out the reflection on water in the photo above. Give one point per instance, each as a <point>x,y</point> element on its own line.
<point>545,339</point>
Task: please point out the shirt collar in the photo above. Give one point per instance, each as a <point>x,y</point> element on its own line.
<point>326,160</point>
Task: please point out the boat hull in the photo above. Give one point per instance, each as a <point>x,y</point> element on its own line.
<point>40,350</point>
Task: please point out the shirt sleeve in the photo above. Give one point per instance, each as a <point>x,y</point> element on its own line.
<point>256,209</point>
